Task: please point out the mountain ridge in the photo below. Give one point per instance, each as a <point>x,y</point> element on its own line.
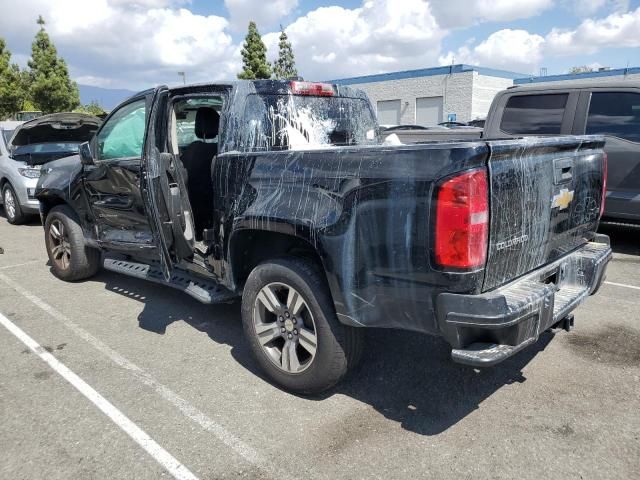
<point>107,98</point>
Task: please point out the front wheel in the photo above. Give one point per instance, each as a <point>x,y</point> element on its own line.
<point>290,321</point>
<point>12,208</point>
<point>70,258</point>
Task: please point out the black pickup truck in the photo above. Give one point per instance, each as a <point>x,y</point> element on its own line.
<point>281,193</point>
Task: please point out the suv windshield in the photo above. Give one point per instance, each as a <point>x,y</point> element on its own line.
<point>7,135</point>
<point>291,122</point>
<point>39,153</point>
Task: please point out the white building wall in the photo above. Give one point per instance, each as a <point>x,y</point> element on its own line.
<point>468,94</point>
<point>485,89</point>
<point>456,90</point>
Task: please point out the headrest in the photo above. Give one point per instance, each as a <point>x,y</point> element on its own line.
<point>207,123</point>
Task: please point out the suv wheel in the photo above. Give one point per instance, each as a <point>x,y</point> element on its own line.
<point>12,208</point>
<point>70,258</point>
<point>290,321</point>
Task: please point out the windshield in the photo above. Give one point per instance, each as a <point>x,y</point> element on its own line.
<point>45,148</point>
<point>7,135</point>
<point>292,122</point>
<point>41,153</point>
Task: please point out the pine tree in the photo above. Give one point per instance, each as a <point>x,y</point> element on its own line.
<point>254,56</point>
<point>285,66</point>
<point>12,94</point>
<point>51,88</point>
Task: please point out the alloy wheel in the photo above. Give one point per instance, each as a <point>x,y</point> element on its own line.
<point>60,246</point>
<point>285,328</point>
<point>9,203</point>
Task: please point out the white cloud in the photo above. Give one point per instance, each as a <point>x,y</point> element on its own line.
<point>516,50</point>
<point>462,13</point>
<point>379,36</point>
<point>139,43</point>
<point>523,51</point>
<point>620,29</point>
<point>132,43</point>
<point>266,13</point>
<point>94,81</point>
<point>586,8</point>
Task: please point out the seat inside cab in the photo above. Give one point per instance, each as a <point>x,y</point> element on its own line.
<point>194,136</point>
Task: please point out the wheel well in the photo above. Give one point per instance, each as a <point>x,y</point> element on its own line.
<point>47,204</point>
<point>251,247</point>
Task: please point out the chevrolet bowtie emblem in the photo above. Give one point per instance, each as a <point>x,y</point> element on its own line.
<point>562,199</point>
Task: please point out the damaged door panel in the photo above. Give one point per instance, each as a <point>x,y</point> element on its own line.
<point>112,181</point>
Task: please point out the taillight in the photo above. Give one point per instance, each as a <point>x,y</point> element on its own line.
<point>310,88</point>
<point>605,161</point>
<point>462,220</point>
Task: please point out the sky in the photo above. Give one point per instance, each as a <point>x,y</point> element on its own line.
<point>137,44</point>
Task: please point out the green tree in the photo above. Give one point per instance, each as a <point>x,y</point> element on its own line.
<point>51,88</point>
<point>92,108</point>
<point>254,56</point>
<point>12,94</point>
<point>285,65</point>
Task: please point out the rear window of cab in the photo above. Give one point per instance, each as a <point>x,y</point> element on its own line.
<point>539,114</point>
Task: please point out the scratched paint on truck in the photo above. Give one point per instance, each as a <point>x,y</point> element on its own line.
<point>365,209</point>
<point>528,228</point>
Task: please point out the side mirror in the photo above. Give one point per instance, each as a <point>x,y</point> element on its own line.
<point>86,157</point>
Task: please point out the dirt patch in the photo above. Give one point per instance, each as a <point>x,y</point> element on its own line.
<point>349,431</point>
<point>565,430</point>
<point>42,375</point>
<point>616,345</point>
<point>51,349</point>
<point>250,473</point>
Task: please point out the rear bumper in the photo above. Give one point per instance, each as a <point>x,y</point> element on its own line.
<point>488,328</point>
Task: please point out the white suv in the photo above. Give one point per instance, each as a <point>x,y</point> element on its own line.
<point>26,146</point>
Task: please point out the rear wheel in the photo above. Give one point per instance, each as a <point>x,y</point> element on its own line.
<point>290,321</point>
<point>70,258</point>
<point>12,208</point>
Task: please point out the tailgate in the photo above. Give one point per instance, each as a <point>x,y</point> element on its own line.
<point>545,201</point>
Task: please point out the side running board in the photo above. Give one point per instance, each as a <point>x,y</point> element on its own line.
<point>203,290</point>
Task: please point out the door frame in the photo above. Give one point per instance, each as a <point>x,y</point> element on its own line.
<point>98,163</point>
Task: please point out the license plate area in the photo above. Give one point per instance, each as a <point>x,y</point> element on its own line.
<point>555,275</point>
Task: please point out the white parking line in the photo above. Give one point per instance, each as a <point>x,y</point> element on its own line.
<point>623,285</point>
<point>188,410</point>
<point>159,454</point>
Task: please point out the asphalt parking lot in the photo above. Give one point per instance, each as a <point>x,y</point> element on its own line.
<point>180,373</point>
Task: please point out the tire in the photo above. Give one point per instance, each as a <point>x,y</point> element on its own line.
<point>70,258</point>
<point>337,347</point>
<point>12,208</point>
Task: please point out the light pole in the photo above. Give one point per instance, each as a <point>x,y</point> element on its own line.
<point>184,77</point>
